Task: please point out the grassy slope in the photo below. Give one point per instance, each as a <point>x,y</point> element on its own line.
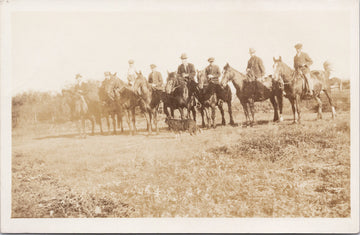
<point>270,170</point>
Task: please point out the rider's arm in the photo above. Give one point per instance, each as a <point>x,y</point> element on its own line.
<point>192,71</point>
<point>308,60</point>
<point>262,68</point>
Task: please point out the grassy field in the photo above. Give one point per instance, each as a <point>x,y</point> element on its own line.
<point>269,170</point>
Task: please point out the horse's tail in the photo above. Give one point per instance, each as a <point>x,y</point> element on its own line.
<point>328,69</point>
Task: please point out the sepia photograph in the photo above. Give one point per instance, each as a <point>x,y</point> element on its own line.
<point>180,116</point>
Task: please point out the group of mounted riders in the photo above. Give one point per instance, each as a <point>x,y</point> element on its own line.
<point>181,91</point>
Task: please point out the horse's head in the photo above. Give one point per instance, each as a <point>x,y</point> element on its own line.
<point>171,82</point>
<point>109,85</point>
<point>279,68</point>
<point>140,83</point>
<point>201,77</point>
<point>228,75</point>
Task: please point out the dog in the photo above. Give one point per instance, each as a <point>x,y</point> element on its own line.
<point>178,125</point>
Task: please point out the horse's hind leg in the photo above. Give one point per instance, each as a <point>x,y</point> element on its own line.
<point>333,112</point>
<point>223,122</point>
<point>127,115</point>
<point>193,113</point>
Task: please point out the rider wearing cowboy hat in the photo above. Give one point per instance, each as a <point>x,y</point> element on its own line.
<point>302,63</point>
<point>155,77</point>
<point>186,70</point>
<point>212,71</point>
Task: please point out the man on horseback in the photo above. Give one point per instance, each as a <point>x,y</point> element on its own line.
<point>186,71</point>
<point>302,63</point>
<point>255,69</point>
<point>155,78</point>
<point>212,71</point>
<point>131,75</point>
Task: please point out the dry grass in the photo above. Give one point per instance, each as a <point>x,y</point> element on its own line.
<point>270,170</point>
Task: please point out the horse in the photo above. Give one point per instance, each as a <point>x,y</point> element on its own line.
<point>294,86</point>
<point>84,105</point>
<point>179,95</point>
<point>149,100</point>
<point>124,96</point>
<point>211,95</point>
<point>110,106</point>
<point>249,92</point>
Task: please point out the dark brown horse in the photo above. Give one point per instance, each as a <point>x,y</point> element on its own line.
<point>84,104</point>
<point>179,95</point>
<point>110,106</point>
<point>149,101</point>
<point>124,96</point>
<point>294,86</point>
<point>249,92</point>
<point>210,95</point>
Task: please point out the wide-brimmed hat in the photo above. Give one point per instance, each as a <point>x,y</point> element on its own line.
<point>298,46</point>
<point>252,50</point>
<point>152,66</point>
<point>183,56</point>
<point>211,59</point>
<point>131,61</point>
<point>78,76</point>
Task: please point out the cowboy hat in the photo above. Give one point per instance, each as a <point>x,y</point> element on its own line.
<point>298,46</point>
<point>131,61</point>
<point>252,50</point>
<point>183,56</point>
<point>152,66</point>
<point>107,73</point>
<point>211,59</point>
<point>78,76</point>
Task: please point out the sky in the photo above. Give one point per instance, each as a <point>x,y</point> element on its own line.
<point>49,48</point>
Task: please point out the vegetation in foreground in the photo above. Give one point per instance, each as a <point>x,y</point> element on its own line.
<point>270,170</point>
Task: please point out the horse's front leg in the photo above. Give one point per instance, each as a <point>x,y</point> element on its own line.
<point>114,122</point>
<point>293,107</point>
<point>246,111</point>
<point>230,113</point>
<point>133,118</point>
<point>297,102</point>
<point>333,112</point>
<point>275,106</point>
<point>223,122</point>
<point>318,100</point>
<point>252,110</point>
<point>202,116</point>
<point>280,103</point>
<point>155,111</point>
<point>120,120</point>
<point>213,115</point>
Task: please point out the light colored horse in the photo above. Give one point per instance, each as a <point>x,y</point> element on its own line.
<point>294,86</point>
<point>149,101</point>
